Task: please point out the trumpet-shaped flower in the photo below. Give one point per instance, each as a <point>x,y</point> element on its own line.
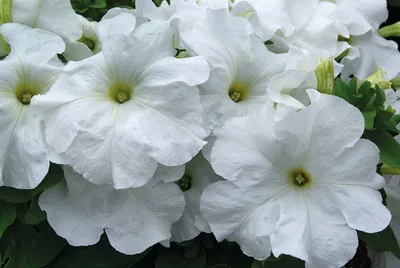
<point>360,16</point>
<point>197,175</point>
<point>133,219</point>
<point>367,53</point>
<point>241,66</point>
<point>87,45</point>
<point>300,186</point>
<point>24,74</point>
<point>290,88</point>
<point>300,24</point>
<point>119,114</point>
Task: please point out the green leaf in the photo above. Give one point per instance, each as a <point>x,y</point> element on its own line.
<point>101,255</point>
<point>98,3</point>
<point>7,216</point>
<point>227,255</point>
<point>388,146</point>
<point>174,258</point>
<point>369,119</point>
<point>16,243</point>
<point>382,241</point>
<point>34,215</point>
<point>46,246</point>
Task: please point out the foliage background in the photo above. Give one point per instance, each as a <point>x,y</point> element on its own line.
<point>27,240</point>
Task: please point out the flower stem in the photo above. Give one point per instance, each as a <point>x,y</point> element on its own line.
<point>385,169</point>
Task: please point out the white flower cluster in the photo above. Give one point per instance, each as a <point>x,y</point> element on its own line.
<point>197,116</point>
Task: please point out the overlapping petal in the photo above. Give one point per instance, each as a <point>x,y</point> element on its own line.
<point>133,219</point>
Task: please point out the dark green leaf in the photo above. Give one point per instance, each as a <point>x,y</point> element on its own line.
<point>388,146</point>
<point>16,243</point>
<point>283,261</point>
<point>7,216</point>
<point>174,258</point>
<point>12,195</point>
<point>227,255</point>
<point>257,264</point>
<point>382,241</point>
<point>192,249</point>
<point>46,246</point>
<point>34,215</point>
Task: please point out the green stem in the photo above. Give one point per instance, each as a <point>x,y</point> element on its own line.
<point>396,82</point>
<point>390,30</point>
<point>385,169</point>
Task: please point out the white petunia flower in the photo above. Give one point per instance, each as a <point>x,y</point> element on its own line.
<point>360,16</point>
<point>241,66</point>
<point>87,45</point>
<point>300,24</point>
<point>24,73</point>
<point>267,17</point>
<point>133,219</point>
<point>117,115</point>
<point>197,176</point>
<point>301,186</point>
<point>290,88</point>
<point>367,53</point>
<point>115,22</point>
<point>56,16</point>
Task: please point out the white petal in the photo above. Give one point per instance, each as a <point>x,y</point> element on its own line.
<point>169,174</point>
<point>133,219</point>
<point>184,229</point>
<point>27,44</point>
<point>122,24</point>
<point>362,207</point>
<point>53,15</point>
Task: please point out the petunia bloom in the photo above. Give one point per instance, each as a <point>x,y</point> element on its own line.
<point>300,186</point>
<point>119,114</point>
<point>197,175</point>
<point>25,73</point>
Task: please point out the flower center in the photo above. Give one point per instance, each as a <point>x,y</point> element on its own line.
<point>185,183</point>
<point>120,93</point>
<point>299,177</point>
<point>88,42</point>
<point>25,92</point>
<point>25,98</point>
<point>238,92</point>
